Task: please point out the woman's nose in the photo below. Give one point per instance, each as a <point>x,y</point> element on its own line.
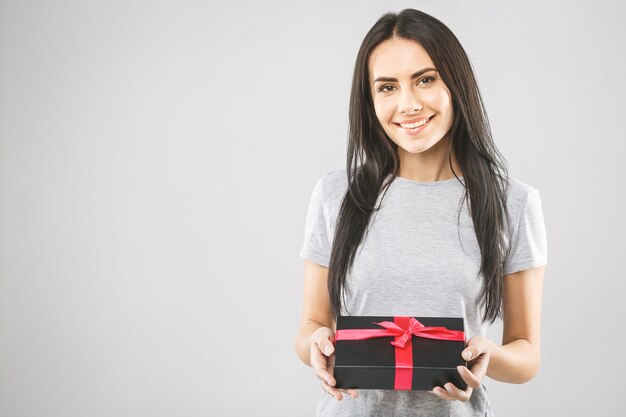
<point>408,102</point>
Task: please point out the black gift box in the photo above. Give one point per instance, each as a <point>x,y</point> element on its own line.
<point>371,363</point>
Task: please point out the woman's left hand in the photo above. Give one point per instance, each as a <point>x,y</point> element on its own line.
<point>478,362</point>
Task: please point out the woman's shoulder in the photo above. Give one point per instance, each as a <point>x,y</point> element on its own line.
<point>519,194</point>
<point>335,176</point>
<point>518,189</point>
<point>334,183</point>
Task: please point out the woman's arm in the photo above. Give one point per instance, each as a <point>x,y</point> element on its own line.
<point>314,342</point>
<point>315,308</point>
<point>517,360</point>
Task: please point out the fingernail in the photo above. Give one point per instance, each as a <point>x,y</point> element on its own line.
<point>467,354</point>
<point>328,349</point>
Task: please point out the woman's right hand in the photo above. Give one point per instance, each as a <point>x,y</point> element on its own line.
<point>323,362</point>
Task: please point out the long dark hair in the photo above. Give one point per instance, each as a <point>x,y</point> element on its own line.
<point>372,156</point>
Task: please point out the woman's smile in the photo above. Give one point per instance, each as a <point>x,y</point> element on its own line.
<point>411,128</point>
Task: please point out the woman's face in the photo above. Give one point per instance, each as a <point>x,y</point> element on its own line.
<point>399,98</point>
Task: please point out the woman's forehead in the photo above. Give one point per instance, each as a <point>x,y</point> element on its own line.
<point>398,58</point>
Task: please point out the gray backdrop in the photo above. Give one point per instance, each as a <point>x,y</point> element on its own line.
<point>156,163</point>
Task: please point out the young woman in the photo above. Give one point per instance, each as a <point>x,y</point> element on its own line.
<point>424,221</point>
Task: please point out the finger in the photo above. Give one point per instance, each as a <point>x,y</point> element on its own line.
<point>320,365</point>
<point>326,347</point>
<point>442,393</point>
<point>475,346</point>
<point>471,353</point>
<point>351,392</point>
<point>335,392</point>
<point>456,393</point>
<point>479,367</point>
<point>469,377</point>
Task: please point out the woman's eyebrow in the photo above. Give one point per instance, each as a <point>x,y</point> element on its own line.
<point>417,74</point>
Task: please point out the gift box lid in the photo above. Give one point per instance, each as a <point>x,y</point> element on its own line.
<point>379,352</point>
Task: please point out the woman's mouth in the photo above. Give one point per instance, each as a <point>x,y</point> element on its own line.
<point>414,128</point>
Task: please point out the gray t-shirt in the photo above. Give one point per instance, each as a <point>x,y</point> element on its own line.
<point>413,263</point>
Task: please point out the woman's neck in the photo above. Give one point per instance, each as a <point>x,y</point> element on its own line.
<point>428,166</point>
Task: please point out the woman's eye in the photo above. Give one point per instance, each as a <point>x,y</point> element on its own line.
<point>385,88</point>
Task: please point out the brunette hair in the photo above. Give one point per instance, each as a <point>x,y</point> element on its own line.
<point>372,156</point>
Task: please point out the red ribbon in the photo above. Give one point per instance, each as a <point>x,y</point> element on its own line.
<point>402,328</point>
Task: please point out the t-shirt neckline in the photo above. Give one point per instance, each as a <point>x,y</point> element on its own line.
<point>427,183</point>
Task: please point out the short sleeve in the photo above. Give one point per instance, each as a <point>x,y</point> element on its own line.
<point>529,248</point>
<point>316,245</point>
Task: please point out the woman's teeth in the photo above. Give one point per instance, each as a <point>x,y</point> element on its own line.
<point>414,125</point>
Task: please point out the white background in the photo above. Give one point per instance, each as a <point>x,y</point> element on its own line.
<point>157,159</point>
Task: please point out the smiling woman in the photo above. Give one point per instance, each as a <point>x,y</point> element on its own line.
<point>451,236</point>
